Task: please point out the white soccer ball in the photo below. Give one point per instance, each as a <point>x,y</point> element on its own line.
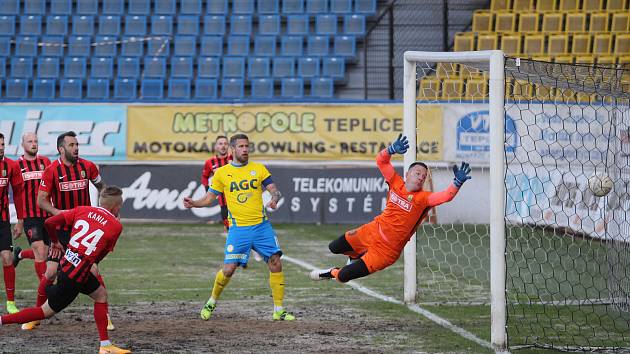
<point>600,184</point>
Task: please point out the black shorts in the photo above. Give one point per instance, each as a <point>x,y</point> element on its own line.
<point>66,290</point>
<point>35,230</point>
<point>6,238</point>
<point>64,238</point>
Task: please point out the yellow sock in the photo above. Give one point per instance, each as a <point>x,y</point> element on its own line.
<point>220,282</point>
<point>276,282</point>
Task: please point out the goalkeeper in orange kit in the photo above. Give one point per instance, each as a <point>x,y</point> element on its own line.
<point>378,244</point>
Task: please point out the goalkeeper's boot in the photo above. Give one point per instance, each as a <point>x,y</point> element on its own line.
<point>208,309</point>
<point>110,325</point>
<point>322,274</point>
<point>11,308</point>
<point>112,349</point>
<point>29,326</point>
<point>283,315</point>
<point>16,255</point>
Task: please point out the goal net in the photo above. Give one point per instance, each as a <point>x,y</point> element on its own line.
<point>526,244</point>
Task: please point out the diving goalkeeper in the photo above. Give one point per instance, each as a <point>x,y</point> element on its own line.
<point>376,245</point>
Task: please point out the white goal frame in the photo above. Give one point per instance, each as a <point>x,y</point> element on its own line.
<point>495,59</point>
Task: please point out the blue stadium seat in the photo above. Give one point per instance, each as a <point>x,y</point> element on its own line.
<point>265,46</point>
<point>74,67</point>
<point>47,67</point>
<point>268,7</point>
<point>354,25</point>
<point>152,89</point>
<point>232,88</point>
<point>7,25</point>
<point>269,25</point>
<point>290,7</point>
<point>161,25</point>
<point>345,46</point>
<point>308,67</point>
<point>318,45</point>
<point>322,87</point>
<point>297,24</point>
<point>326,24</point>
<point>217,7</point>
<point>341,7</point>
<point>214,25</point>
<point>101,68</point>
<point>139,7</point>
<point>258,67</point>
<point>182,67</point>
<point>31,25</point>
<point>365,7</point>
<point>283,67</point>
<point>79,46</point>
<point>136,25</point>
<point>164,7</point>
<point>208,67</point>
<point>97,89</point>
<point>3,68</point>
<point>128,67</point>
<point>44,89</point>
<point>206,89</point>
<point>238,45</point>
<point>243,7</point>
<point>105,46</point>
<point>292,87</point>
<point>159,47</point>
<point>132,46</point>
<point>179,89</point>
<point>113,7</point>
<point>52,46</point>
<point>241,24</point>
<point>26,46</point>
<point>34,7</point>
<point>61,7</point>
<point>314,7</point>
<point>262,88</point>
<point>22,68</point>
<point>16,88</point>
<point>190,7</point>
<point>87,7</point>
<point>125,89</point>
<point>109,25</point>
<point>188,25</point>
<point>233,67</point>
<point>5,46</point>
<point>334,67</point>
<point>57,25</point>
<point>292,46</point>
<point>10,7</point>
<point>211,46</point>
<point>154,67</point>
<point>185,46</point>
<point>83,25</point>
<point>71,89</point>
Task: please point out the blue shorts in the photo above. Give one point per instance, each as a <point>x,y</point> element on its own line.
<point>241,239</point>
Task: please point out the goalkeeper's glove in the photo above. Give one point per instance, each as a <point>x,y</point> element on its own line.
<point>462,174</point>
<point>399,146</point>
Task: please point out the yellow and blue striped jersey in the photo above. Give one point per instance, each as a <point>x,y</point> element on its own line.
<point>243,187</point>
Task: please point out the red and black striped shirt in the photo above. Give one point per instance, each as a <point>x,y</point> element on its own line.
<point>32,172</point>
<point>209,167</point>
<point>69,186</point>
<point>10,175</point>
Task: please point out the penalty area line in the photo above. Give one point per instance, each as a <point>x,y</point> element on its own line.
<point>413,307</point>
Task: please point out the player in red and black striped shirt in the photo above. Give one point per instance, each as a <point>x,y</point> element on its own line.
<point>220,159</point>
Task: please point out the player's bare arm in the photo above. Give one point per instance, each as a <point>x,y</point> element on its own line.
<point>43,201</point>
<point>200,203</point>
<point>275,196</point>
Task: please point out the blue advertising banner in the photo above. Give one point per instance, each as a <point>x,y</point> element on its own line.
<point>101,130</point>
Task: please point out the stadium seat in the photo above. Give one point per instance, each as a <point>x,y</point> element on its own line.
<point>128,67</point>
<point>185,46</point>
<point>182,67</point>
<point>159,47</point>
<point>22,68</point>
<point>188,25</point>
<point>211,46</point>
<point>326,24</point>
<point>622,44</point>
<point>26,46</point>
<point>616,5</point>
<point>47,67</point>
<point>522,5</point>
<point>10,7</point>
<point>190,7</point>
<point>16,88</point>
<point>154,67</point>
<point>87,7</point>
<point>268,7</point>
<point>44,89</point>
<point>206,89</point>
<point>101,68</point>
<point>308,67</point>
<point>291,7</point>
<point>3,68</point>
<point>269,25</point>
<point>620,22</point>
<point>113,7</point>
<point>581,44</point>
<point>57,25</point>
<point>292,46</point>
<point>528,22</point>
<point>161,25</point>
<point>258,67</point>
<point>341,7</point>
<point>345,46</point>
<point>318,45</point>
<point>242,7</point>
<point>447,70</point>
<point>71,89</point>
<point>487,41</point>
<point>476,89</point>
<point>139,7</point>
<point>315,7</point>
<point>152,89</point>
<point>334,67</point>
<point>602,43</point>
<point>297,25</point>
<point>61,7</point>
<point>232,88</point>
<point>511,44</point>
<point>464,41</point>
<point>592,5</point>
<point>233,67</point>
<point>262,88</point>
<point>598,22</point>
<point>30,25</point>
<point>500,5</point>
<point>105,46</point>
<point>482,21</point>
<point>97,89</point>
<point>429,89</point>
<point>292,87</point>
<point>240,25</point>
<point>132,46</point>
<point>164,7</point>
<point>505,22</point>
<point>365,7</point>
<point>558,44</point>
<point>5,46</point>
<point>179,89</point>
<point>552,22</point>
<point>217,7</point>
<point>575,22</point>
<point>265,46</point>
<point>7,25</point>
<point>322,87</point>
<point>34,7</point>
<point>136,25</point>
<point>283,67</point>
<point>546,5</point>
<point>354,25</point>
<point>208,67</point>
<point>452,88</point>
<point>83,25</point>
<point>74,67</point>
<point>238,45</point>
<point>125,89</point>
<point>534,44</point>
<point>214,25</point>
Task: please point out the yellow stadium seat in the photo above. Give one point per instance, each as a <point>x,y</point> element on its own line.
<point>606,59</point>
<point>522,90</point>
<point>511,44</point>
<point>546,5</point>
<point>563,59</point>
<point>476,89</point>
<point>598,22</point>
<point>581,44</point>
<point>585,59</point>
<point>620,22</point>
<point>575,22</point>
<point>505,22</point>
<point>569,5</point>
<point>487,41</point>
<point>558,44</point>
<point>523,5</point>
<point>564,95</point>
<point>622,44</point>
<point>452,89</point>
<point>429,89</point>
<point>592,5</point>
<point>616,5</point>
<point>464,41</point>
<point>534,45</point>
<point>528,22</point>
<point>482,21</point>
<point>602,43</point>
<point>625,62</point>
<point>447,70</point>
<point>552,22</point>
<point>500,5</point>
<point>544,93</point>
<point>544,58</point>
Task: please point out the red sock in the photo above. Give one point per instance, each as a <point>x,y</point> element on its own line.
<point>41,291</point>
<point>9,281</point>
<point>100,317</point>
<point>26,315</point>
<point>100,279</point>
<point>40,269</point>
<point>27,254</point>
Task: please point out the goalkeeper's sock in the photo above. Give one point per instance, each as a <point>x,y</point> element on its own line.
<point>220,282</point>
<point>276,282</point>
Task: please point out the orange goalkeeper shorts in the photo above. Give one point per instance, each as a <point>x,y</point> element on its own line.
<point>367,240</point>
